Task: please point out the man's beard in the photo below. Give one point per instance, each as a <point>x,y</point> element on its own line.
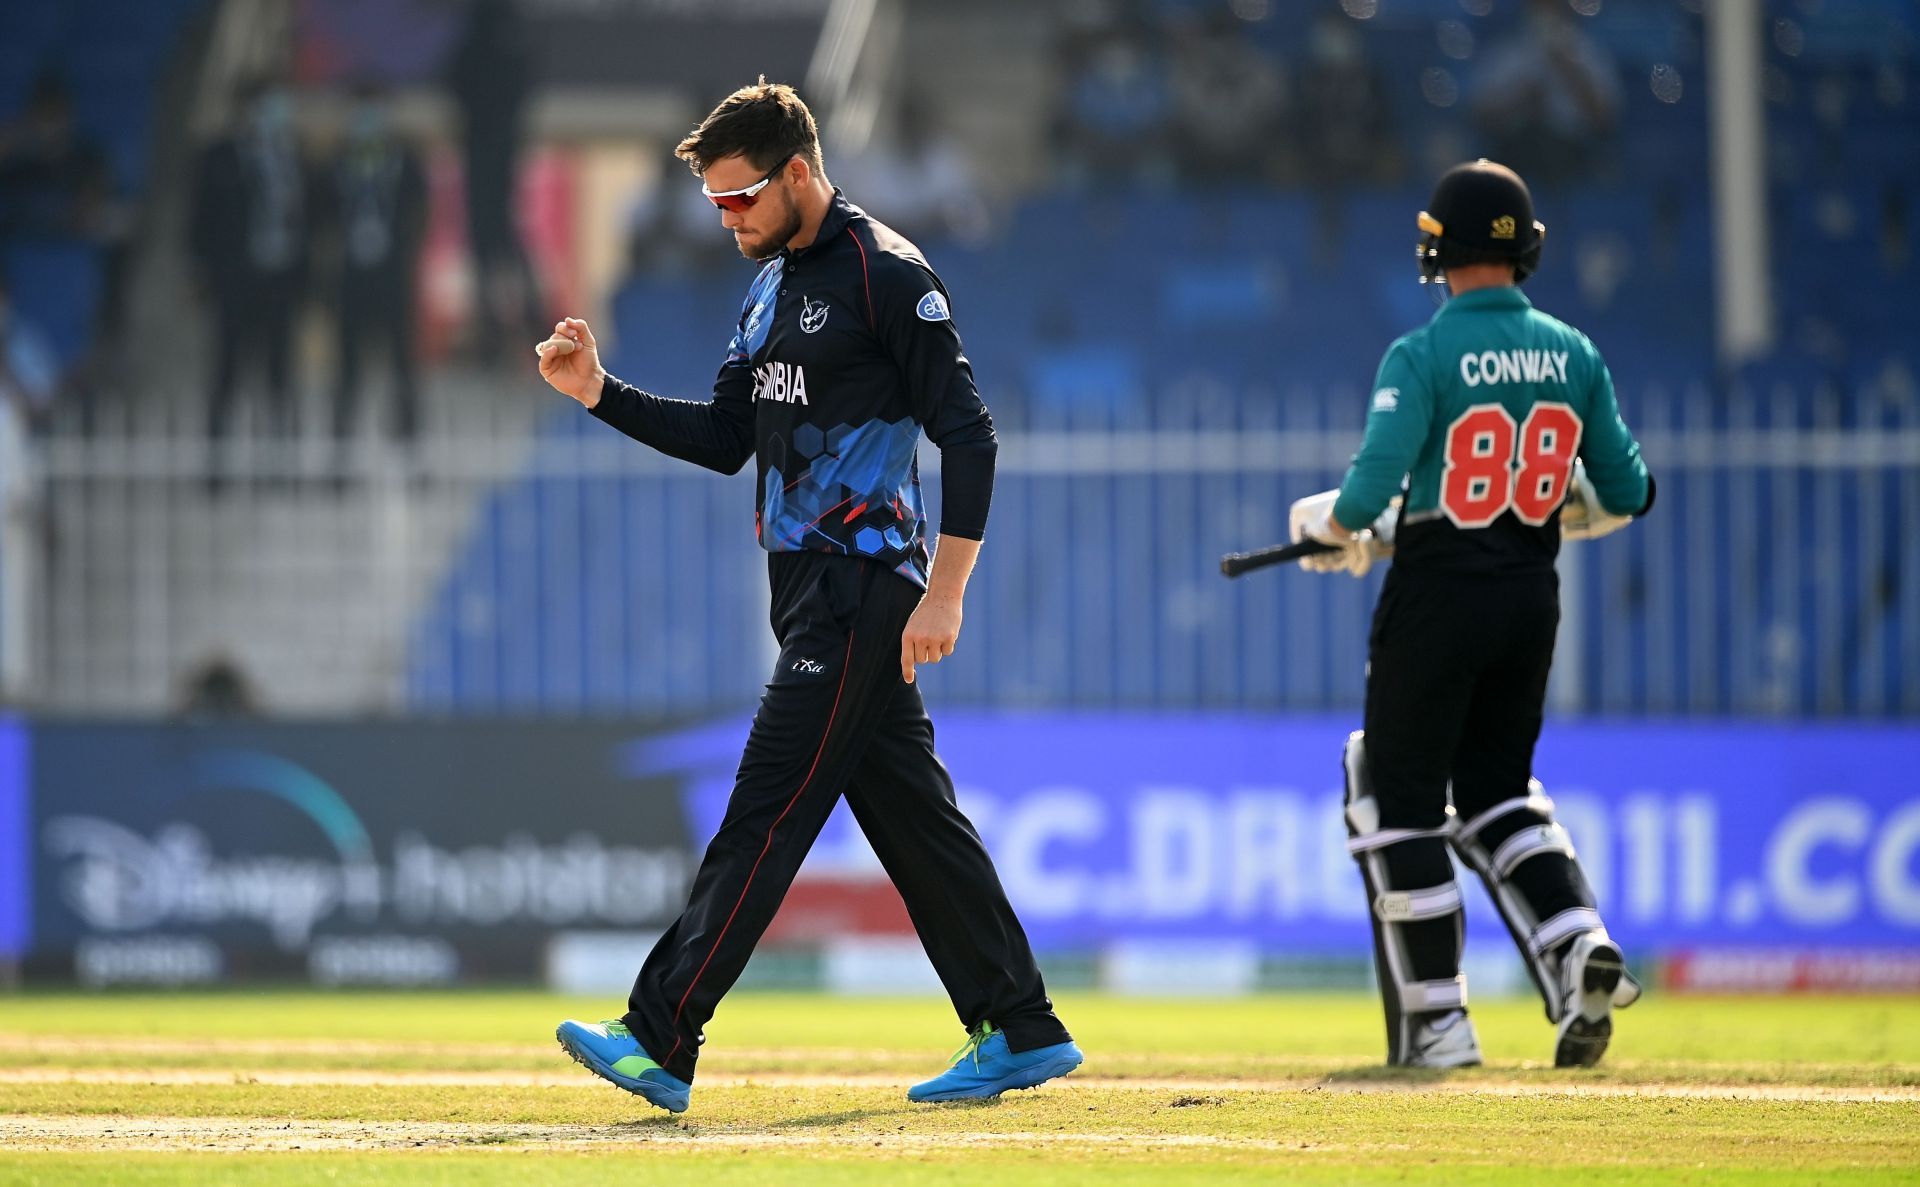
<point>778,238</point>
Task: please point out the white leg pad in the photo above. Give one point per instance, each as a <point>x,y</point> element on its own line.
<point>1496,860</point>
<point>1406,998</point>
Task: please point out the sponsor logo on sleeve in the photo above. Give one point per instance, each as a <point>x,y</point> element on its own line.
<point>1386,399</point>
<point>933,307</point>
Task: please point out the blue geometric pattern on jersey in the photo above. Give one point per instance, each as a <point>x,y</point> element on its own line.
<point>859,496</point>
<point>758,309</point>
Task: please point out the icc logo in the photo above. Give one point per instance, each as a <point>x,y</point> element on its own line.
<point>1503,227</point>
<point>813,315</point>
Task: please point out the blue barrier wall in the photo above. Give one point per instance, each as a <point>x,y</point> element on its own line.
<point>1121,827</point>
<point>16,840</point>
<point>237,851</point>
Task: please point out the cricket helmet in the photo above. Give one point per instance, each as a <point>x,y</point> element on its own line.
<point>1480,213</point>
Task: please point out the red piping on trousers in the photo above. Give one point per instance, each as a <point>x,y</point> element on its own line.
<point>832,715</point>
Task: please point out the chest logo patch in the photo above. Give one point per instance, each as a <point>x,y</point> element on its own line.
<point>813,315</point>
<point>933,307</point>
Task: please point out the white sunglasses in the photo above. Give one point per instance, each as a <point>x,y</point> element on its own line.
<point>743,199</point>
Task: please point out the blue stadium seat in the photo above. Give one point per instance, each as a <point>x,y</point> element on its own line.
<point>57,287</point>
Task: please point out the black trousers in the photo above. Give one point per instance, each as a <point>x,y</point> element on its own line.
<point>1456,688</point>
<point>256,314</point>
<point>376,309</point>
<point>837,720</point>
<point>1456,684</point>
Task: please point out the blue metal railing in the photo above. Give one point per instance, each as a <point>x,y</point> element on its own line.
<point>1775,578</point>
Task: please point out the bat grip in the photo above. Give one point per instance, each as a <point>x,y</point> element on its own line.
<point>1235,563</point>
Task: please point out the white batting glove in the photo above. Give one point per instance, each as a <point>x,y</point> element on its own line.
<point>1311,518</point>
<point>1582,516</point>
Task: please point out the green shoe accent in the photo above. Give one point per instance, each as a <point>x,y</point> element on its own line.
<point>634,1065</point>
<point>975,1037</point>
<point>629,1065</point>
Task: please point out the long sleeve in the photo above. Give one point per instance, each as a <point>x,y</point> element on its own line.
<point>717,434</point>
<point>916,324</point>
<point>1397,423</point>
<point>1611,454</point>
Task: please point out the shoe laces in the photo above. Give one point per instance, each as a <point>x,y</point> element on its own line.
<point>616,1028</point>
<point>971,1048</point>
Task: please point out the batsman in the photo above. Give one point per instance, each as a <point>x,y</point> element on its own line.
<point>1492,433</point>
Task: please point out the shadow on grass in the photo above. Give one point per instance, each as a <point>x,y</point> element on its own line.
<point>656,1120</point>
<point>1382,1076</point>
<point>900,1109</point>
<point>638,1129</point>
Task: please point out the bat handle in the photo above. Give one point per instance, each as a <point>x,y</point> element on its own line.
<point>1235,563</point>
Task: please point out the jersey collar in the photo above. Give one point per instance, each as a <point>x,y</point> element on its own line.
<point>840,212</point>
<point>1502,297</point>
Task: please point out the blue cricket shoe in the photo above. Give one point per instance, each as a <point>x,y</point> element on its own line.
<point>609,1050</point>
<point>984,1068</point>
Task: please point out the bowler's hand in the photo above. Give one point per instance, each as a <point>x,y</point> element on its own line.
<point>931,633</point>
<point>570,361</point>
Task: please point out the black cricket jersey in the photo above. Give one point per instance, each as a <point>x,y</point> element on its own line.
<point>844,352</point>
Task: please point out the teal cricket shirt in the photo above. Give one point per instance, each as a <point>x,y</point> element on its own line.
<point>1480,413</point>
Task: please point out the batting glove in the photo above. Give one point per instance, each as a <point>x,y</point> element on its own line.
<point>1311,518</point>
<point>1583,516</point>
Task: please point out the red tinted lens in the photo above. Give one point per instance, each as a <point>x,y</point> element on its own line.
<point>738,203</point>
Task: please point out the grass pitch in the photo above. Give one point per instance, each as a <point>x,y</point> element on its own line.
<point>469,1088</point>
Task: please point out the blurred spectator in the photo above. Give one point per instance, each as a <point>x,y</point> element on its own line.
<point>376,202</point>
<point>1228,101</point>
<point>1117,112</point>
<point>54,181</point>
<point>1345,131</point>
<point>491,77</point>
<point>29,367</point>
<point>217,688</point>
<point>1896,237</point>
<point>249,230</point>
<point>59,223</point>
<point>1547,99</point>
<point>915,177</point>
<point>28,375</point>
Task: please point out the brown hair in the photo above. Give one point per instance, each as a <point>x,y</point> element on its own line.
<point>766,122</point>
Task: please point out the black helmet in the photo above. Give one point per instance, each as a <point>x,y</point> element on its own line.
<point>1480,213</point>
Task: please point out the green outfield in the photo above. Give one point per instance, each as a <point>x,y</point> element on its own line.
<point>469,1088</point>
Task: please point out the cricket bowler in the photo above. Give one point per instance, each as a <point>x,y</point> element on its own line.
<point>844,354</point>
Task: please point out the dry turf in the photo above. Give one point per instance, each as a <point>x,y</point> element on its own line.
<point>469,1088</point>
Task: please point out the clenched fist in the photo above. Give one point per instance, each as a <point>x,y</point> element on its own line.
<point>570,361</point>
<point>932,630</point>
